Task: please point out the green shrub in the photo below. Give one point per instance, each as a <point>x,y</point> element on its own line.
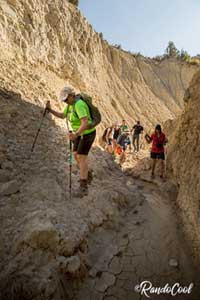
<point>75,2</point>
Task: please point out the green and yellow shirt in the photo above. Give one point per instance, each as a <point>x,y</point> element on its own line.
<point>76,112</point>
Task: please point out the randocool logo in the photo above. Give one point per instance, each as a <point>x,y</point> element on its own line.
<point>146,288</point>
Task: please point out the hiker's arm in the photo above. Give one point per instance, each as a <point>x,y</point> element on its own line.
<point>107,134</point>
<point>148,138</point>
<point>165,141</point>
<point>55,113</point>
<point>84,125</point>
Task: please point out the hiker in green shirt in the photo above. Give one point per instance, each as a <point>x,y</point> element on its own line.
<point>78,114</point>
<point>124,127</point>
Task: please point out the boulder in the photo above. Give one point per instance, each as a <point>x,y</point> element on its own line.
<point>40,233</point>
<point>9,188</point>
<point>4,175</point>
<point>104,282</point>
<point>70,264</point>
<point>73,264</point>
<point>8,165</point>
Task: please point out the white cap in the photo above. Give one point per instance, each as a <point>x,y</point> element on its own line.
<point>65,92</point>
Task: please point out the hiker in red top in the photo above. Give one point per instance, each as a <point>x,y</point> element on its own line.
<point>158,140</point>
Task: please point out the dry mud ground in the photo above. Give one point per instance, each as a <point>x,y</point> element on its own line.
<point>124,232</point>
<point>144,243</point>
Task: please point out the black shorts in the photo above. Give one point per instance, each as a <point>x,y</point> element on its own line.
<point>82,144</point>
<point>158,155</point>
<point>109,142</point>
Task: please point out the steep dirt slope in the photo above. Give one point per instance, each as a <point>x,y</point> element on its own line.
<point>53,43</point>
<point>124,232</point>
<point>43,234</point>
<point>184,162</point>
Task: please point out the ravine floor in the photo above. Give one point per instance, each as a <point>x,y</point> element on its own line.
<point>145,243</point>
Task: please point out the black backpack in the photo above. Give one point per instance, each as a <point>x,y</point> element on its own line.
<point>94,111</point>
<point>104,134</point>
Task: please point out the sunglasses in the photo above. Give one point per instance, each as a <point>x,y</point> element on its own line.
<point>66,99</point>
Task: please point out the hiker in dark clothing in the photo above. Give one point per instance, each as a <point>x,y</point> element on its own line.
<point>109,139</point>
<point>123,142</point>
<point>116,134</point>
<point>137,130</point>
<point>158,140</point>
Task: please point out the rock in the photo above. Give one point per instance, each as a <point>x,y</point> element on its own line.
<point>42,188</point>
<point>115,266</point>
<point>69,265</point>
<point>173,263</point>
<point>93,272</point>
<point>104,282</point>
<point>73,264</point>
<point>8,165</point>
<point>40,233</point>
<point>4,175</point>
<point>9,188</point>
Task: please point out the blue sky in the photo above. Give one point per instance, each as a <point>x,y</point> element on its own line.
<point>146,26</point>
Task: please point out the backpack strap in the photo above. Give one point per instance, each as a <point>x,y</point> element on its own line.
<point>78,97</point>
<point>74,110</point>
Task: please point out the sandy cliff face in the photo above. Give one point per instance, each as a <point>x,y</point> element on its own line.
<point>184,162</point>
<point>49,44</point>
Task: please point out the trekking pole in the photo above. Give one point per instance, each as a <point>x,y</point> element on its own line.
<point>70,170</point>
<point>70,164</point>
<point>43,116</point>
<point>165,162</point>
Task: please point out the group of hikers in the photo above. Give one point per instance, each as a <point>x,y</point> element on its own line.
<point>117,138</point>
<point>83,118</point>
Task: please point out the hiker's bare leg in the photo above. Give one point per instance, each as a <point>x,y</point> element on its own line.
<point>134,140</point>
<point>83,165</point>
<point>153,167</point>
<point>162,168</point>
<point>114,145</point>
<point>76,158</point>
<point>110,149</point>
<point>138,137</point>
<point>122,158</point>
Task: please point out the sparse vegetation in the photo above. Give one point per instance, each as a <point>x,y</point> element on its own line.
<point>118,46</point>
<point>184,55</point>
<point>172,52</point>
<point>135,54</point>
<point>101,35</point>
<point>75,2</point>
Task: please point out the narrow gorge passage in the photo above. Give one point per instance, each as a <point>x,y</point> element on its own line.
<point>129,224</point>
<point>144,243</point>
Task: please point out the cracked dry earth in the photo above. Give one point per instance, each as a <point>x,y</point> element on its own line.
<point>144,243</point>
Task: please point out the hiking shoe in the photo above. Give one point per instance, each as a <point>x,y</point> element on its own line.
<point>82,191</point>
<point>162,178</point>
<point>90,176</point>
